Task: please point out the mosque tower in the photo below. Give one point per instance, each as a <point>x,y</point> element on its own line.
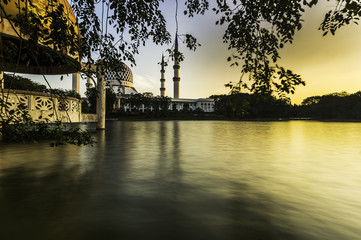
<point>162,79</point>
<point>176,67</point>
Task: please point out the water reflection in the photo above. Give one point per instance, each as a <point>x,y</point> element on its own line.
<point>187,180</point>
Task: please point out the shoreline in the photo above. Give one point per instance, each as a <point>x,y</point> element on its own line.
<point>222,118</point>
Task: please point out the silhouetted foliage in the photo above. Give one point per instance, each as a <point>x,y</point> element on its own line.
<point>151,103</point>
<point>335,106</point>
<point>22,83</point>
<point>332,106</point>
<point>91,101</point>
<point>64,92</point>
<point>245,105</point>
<point>257,30</point>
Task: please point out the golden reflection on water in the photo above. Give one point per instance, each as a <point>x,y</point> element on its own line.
<point>213,179</point>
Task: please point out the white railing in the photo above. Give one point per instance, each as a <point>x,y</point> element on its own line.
<point>43,105</point>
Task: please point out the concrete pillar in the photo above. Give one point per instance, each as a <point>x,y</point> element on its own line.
<point>118,103</point>
<point>101,100</point>
<point>1,80</point>
<point>76,82</point>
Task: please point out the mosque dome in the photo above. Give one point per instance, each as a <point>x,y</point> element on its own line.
<point>121,79</point>
<point>122,76</point>
<point>49,60</point>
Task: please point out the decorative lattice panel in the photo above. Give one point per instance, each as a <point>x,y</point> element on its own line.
<point>74,106</point>
<point>12,101</point>
<point>24,100</point>
<point>43,103</point>
<point>63,105</point>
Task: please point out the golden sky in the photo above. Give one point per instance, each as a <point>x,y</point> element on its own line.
<point>327,64</point>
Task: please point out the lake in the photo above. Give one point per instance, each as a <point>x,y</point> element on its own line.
<point>187,180</point>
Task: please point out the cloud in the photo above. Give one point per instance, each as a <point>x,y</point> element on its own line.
<point>145,83</point>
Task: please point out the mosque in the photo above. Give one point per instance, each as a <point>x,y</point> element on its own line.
<point>121,81</point>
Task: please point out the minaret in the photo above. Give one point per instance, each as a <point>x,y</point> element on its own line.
<point>162,79</point>
<point>176,67</point>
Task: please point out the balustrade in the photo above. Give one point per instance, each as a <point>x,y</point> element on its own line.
<point>43,106</point>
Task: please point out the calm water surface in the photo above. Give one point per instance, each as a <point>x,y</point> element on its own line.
<point>187,180</point>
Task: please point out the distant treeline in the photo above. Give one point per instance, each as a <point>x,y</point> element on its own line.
<point>331,106</point>
<point>21,83</point>
<point>342,106</point>
<point>245,105</point>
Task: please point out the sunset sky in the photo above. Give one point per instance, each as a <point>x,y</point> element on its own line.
<point>327,64</point>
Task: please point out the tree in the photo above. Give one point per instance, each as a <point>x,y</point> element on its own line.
<point>257,30</point>
<point>22,83</point>
<point>148,100</point>
<point>245,105</point>
<point>332,106</point>
<point>114,30</point>
<point>110,30</point>
<point>92,95</point>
